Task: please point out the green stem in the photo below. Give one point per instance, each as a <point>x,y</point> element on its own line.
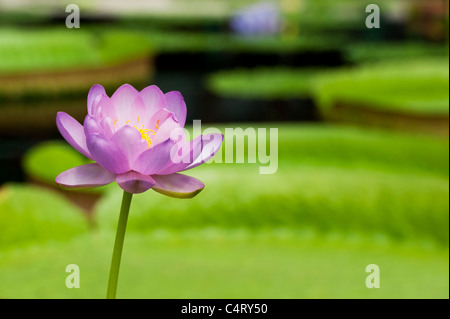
<point>118,245</point>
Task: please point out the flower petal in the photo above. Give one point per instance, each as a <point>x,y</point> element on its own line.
<point>91,126</point>
<point>208,148</point>
<point>96,106</point>
<point>176,105</point>
<point>154,159</point>
<point>88,175</point>
<point>130,141</point>
<point>123,100</point>
<point>105,109</point>
<point>107,154</point>
<point>138,112</point>
<point>135,115</point>
<point>153,99</point>
<point>94,93</point>
<point>177,185</point>
<point>108,127</point>
<point>133,182</point>
<point>165,130</point>
<point>73,132</point>
<point>158,118</point>
<point>186,154</point>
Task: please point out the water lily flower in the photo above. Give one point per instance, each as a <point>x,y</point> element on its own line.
<point>135,139</point>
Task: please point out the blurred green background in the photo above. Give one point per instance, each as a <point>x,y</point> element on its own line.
<point>363,167</point>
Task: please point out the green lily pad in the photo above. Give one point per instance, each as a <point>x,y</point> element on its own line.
<point>264,83</point>
<point>51,49</point>
<point>211,263</point>
<point>409,87</point>
<point>365,52</point>
<point>44,162</point>
<point>30,215</point>
<point>47,160</point>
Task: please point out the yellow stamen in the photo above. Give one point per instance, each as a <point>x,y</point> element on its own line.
<point>144,131</point>
<point>144,134</point>
<point>114,123</point>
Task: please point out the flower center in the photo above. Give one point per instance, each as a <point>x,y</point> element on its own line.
<point>145,134</point>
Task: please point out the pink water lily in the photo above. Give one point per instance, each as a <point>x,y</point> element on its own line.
<point>136,139</point>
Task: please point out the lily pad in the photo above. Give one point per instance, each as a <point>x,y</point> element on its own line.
<point>47,160</point>
<point>31,215</point>
<point>211,263</point>
<point>265,83</point>
<point>44,162</point>
<point>411,87</point>
<point>52,49</point>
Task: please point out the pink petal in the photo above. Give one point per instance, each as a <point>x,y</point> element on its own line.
<point>91,126</point>
<point>105,109</point>
<point>158,118</point>
<point>123,100</point>
<point>165,130</point>
<point>108,127</point>
<point>176,105</point>
<point>73,132</point>
<point>187,153</point>
<point>138,112</point>
<point>96,106</point>
<point>94,95</point>
<point>153,99</point>
<point>107,154</point>
<point>133,182</point>
<point>89,175</point>
<point>130,141</point>
<point>208,148</point>
<point>135,115</point>
<point>154,159</point>
<point>177,185</point>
